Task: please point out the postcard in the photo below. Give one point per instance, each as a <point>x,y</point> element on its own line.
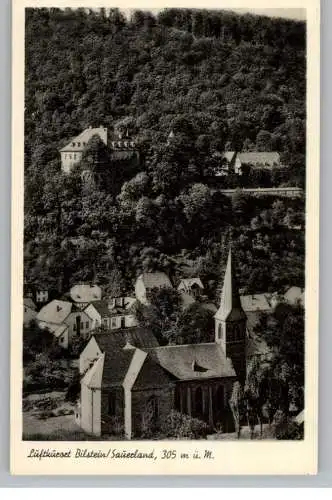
<point>165,208</point>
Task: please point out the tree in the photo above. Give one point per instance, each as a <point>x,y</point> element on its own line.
<point>36,340</point>
<point>195,325</point>
<point>162,314</point>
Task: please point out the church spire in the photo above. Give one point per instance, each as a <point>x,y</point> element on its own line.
<point>230,308</point>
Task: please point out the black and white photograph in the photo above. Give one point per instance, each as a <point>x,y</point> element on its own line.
<point>164,283</point>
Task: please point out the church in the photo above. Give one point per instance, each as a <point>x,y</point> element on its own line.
<point>129,383</point>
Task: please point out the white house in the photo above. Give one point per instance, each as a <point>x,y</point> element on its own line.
<point>72,153</point>
<point>115,313</point>
<point>192,286</point>
<point>64,320</point>
<point>84,294</point>
<point>146,282</point>
<point>233,162</point>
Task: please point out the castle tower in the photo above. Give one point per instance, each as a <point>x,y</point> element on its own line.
<point>230,322</point>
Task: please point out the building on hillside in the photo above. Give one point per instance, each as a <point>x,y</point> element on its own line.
<point>232,162</point>
<point>84,294</point>
<point>134,387</point>
<point>72,153</point>
<point>191,286</point>
<point>147,282</point>
<point>65,321</point>
<point>29,310</point>
<point>123,145</point>
<point>113,314</point>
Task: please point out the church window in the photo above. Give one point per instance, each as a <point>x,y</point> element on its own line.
<point>198,404</point>
<point>111,403</point>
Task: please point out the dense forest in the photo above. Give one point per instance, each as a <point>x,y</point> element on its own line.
<point>219,81</point>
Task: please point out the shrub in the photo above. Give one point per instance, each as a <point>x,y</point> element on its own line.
<point>181,426</point>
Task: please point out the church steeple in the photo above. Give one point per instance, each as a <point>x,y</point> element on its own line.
<point>230,308</point>
<point>230,321</point>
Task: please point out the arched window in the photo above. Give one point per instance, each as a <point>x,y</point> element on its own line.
<point>111,403</point>
<point>198,404</point>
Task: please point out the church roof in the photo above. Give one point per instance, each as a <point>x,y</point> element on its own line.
<point>136,336</point>
<point>193,361</point>
<point>230,304</point>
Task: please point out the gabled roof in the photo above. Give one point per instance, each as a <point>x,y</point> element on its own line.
<point>256,302</point>
<point>267,158</point>
<point>230,304</point>
<point>94,376</point>
<point>193,361</point>
<point>107,309</point>
<point>155,280</point>
<point>57,330</point>
<point>28,302</point>
<point>55,312</point>
<point>136,336</point>
<point>85,293</point>
<point>187,283</point>
<point>79,142</point>
<point>255,158</point>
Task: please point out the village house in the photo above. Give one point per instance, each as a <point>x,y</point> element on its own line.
<point>134,387</point>
<point>232,162</point>
<point>112,314</point>
<point>72,153</point>
<point>147,282</point>
<point>191,286</point>
<point>38,294</point>
<point>65,321</point>
<point>29,310</point>
<point>84,294</point>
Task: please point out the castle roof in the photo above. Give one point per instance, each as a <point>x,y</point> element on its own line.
<point>230,304</point>
<point>79,142</point>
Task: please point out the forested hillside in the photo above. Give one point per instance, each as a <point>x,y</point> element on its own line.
<point>221,82</point>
